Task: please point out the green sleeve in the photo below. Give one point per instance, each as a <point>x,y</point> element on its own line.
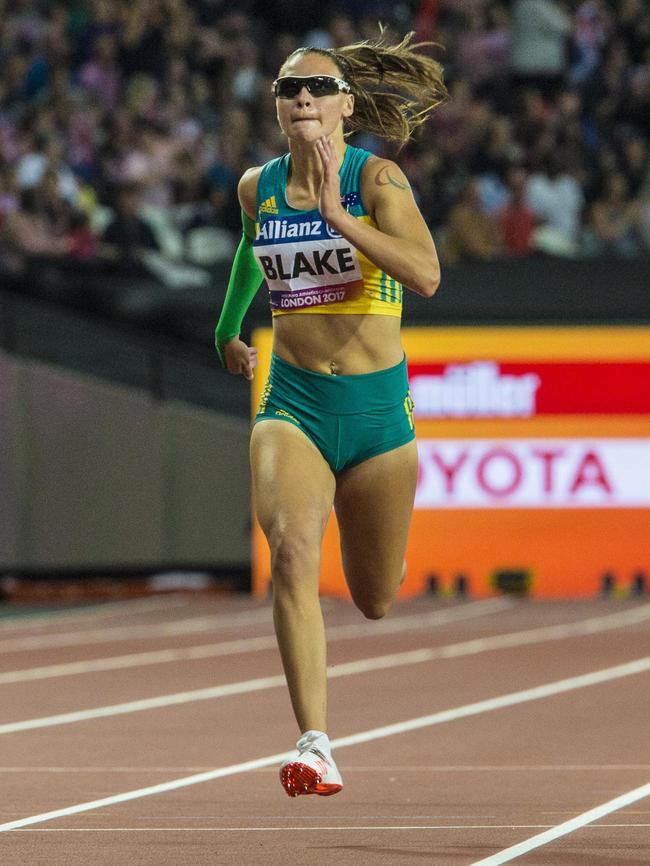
<point>245,280</point>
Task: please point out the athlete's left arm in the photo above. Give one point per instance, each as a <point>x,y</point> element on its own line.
<point>401,245</point>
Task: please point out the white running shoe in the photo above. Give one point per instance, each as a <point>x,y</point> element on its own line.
<point>313,770</point>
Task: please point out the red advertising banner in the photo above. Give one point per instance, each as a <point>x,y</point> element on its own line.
<point>487,389</point>
<point>534,448</point>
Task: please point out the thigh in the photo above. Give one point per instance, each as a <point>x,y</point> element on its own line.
<point>293,486</point>
<point>374,502</point>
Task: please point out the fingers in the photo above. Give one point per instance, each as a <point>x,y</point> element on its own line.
<point>326,151</point>
<point>242,368</point>
<point>252,363</point>
<point>244,365</point>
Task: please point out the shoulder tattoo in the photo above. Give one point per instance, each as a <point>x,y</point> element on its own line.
<point>384,177</point>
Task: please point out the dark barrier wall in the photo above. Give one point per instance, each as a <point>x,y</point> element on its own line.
<point>94,475</point>
<point>539,290</point>
<point>9,461</point>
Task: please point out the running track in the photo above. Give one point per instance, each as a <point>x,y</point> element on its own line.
<point>479,732</point>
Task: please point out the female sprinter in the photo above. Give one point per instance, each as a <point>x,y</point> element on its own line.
<point>336,233</point>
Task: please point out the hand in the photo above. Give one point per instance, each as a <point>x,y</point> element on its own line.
<point>239,357</point>
<point>330,192</point>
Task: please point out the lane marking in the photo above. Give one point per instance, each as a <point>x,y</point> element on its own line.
<point>286,829</point>
<point>560,830</point>
<point>434,768</point>
<point>42,618</point>
<point>592,625</point>
<point>136,632</point>
<point>375,663</point>
<point>298,829</point>
<point>282,829</point>
<point>637,666</point>
<point>207,694</point>
<point>198,624</point>
<point>589,626</point>
<point>255,644</point>
<point>631,668</point>
<point>626,812</point>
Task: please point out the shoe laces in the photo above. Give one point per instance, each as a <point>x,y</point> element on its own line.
<point>308,743</point>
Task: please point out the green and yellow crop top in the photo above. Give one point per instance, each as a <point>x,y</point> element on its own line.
<point>308,267</point>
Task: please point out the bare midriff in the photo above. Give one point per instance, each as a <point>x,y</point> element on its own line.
<point>344,345</point>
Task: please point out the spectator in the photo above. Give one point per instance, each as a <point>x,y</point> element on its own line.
<point>83,244</point>
<point>495,155</point>
<point>101,76</point>
<point>484,46</point>
<point>434,183</point>
<point>55,208</point>
<point>470,232</point>
<point>540,30</point>
<point>635,160</point>
<point>615,223</point>
<point>127,236</point>
<point>189,183</point>
<point>142,38</point>
<point>28,235</point>
<point>516,220</point>
<point>46,153</point>
<point>634,27</point>
<point>606,90</point>
<point>8,194</point>
<point>556,198</point>
<point>452,122</point>
<point>247,74</point>
<point>147,162</point>
<point>592,26</point>
<point>32,165</point>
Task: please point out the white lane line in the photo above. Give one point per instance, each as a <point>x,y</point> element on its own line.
<point>289,829</point>
<point>136,660</point>
<point>395,625</point>
<point>311,829</point>
<point>344,669</point>
<point>555,688</point>
<point>385,768</point>
<point>627,812</point>
<point>637,666</point>
<point>244,645</point>
<point>567,827</point>
<point>409,623</point>
<point>190,626</point>
<point>177,699</point>
<point>136,632</point>
<point>44,619</point>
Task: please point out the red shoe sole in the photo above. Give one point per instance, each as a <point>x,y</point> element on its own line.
<point>298,779</point>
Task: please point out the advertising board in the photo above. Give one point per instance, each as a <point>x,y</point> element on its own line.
<point>534,451</point>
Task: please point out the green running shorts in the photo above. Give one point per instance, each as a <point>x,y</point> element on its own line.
<point>348,418</point>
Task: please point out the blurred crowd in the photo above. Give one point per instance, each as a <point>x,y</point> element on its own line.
<point>125,124</point>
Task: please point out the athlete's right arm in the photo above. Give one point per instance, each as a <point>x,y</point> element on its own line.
<point>245,280</point>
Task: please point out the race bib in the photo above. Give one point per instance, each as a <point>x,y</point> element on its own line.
<point>305,262</point>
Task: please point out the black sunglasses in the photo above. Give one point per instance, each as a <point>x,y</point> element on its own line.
<point>290,86</point>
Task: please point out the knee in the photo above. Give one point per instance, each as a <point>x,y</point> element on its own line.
<point>375,604</point>
<point>375,609</point>
<point>294,556</point>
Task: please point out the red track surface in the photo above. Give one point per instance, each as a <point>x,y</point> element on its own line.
<point>451,792</point>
